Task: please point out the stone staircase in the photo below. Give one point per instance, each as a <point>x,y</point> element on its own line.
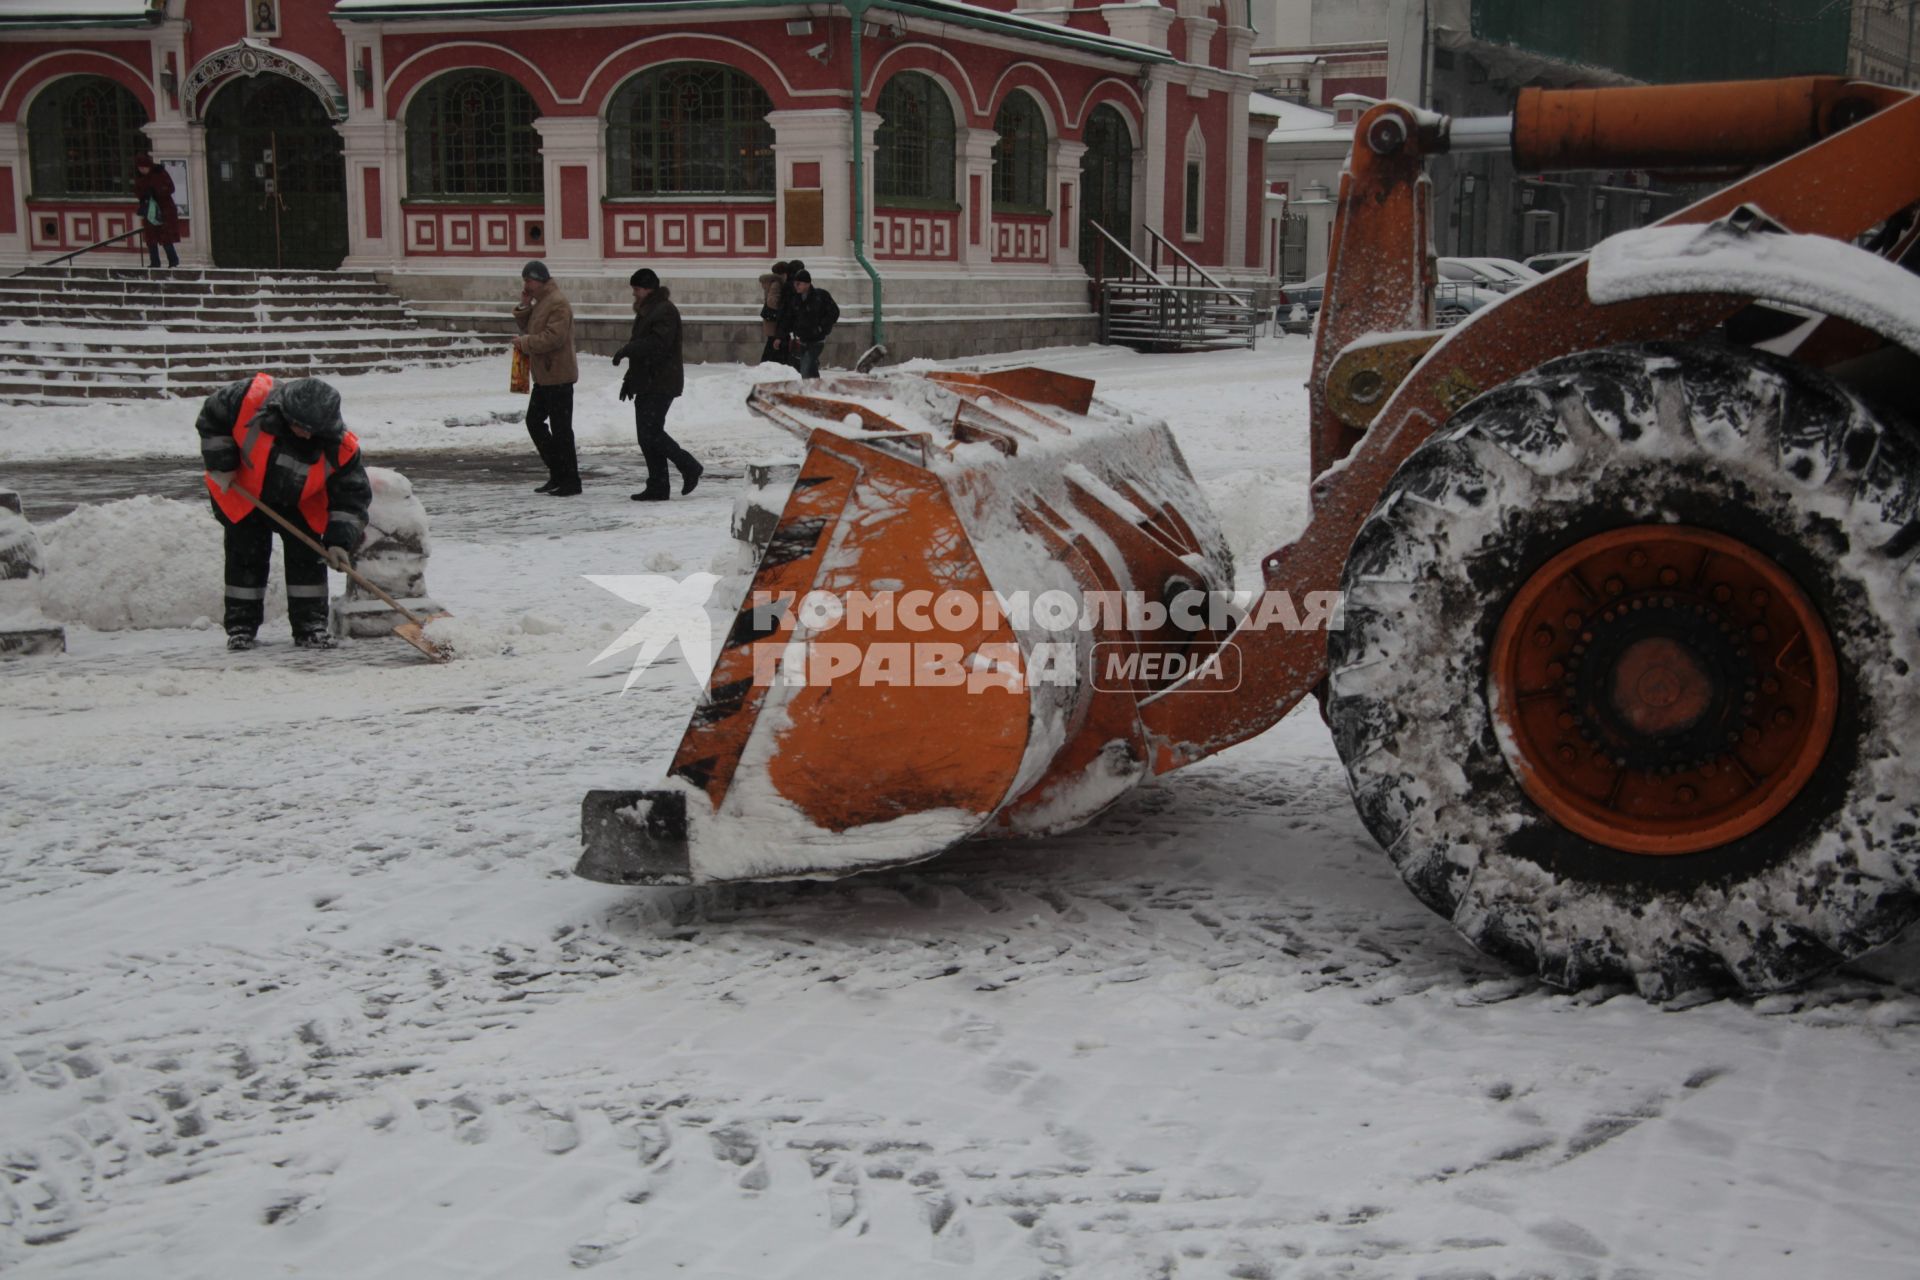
<point>120,333</point>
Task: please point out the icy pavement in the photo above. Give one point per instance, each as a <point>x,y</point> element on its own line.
<point>295,981</point>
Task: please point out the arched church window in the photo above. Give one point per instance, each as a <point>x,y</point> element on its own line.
<point>913,147</point>
<point>689,128</point>
<point>470,135</point>
<point>82,135</point>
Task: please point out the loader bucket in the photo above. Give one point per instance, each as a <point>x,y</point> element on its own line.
<point>915,661</point>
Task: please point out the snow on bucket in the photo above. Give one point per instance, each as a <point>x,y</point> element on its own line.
<point>914,661</point>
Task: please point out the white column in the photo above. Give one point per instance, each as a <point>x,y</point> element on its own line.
<point>1234,252</point>
<point>870,126</point>
<point>174,139</point>
<point>1065,172</point>
<point>170,136</point>
<point>376,145</point>
<point>1148,25</point>
<point>819,138</point>
<point>1153,212</point>
<point>975,152</point>
<point>572,142</point>
<point>372,144</point>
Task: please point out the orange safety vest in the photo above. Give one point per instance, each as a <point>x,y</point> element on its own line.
<point>256,447</point>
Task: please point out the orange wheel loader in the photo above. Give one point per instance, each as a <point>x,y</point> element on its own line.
<point>1624,572</point>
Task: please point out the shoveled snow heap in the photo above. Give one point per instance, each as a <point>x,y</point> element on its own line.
<point>138,564</point>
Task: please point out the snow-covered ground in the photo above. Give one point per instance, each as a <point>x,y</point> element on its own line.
<point>294,979</point>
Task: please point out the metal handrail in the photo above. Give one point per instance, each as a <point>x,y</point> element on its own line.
<point>127,235</point>
<point>1156,309</point>
<point>1139,267</point>
<point>1193,268</point>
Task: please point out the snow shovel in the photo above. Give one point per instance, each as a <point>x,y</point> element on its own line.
<point>412,630</point>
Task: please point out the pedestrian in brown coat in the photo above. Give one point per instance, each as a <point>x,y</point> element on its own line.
<point>159,216</point>
<point>545,319</point>
<point>773,295</point>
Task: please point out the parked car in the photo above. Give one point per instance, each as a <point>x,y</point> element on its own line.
<point>1454,301</point>
<point>1545,262</point>
<point>1298,304</point>
<point>1502,275</point>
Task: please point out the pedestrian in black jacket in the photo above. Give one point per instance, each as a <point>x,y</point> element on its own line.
<point>811,316</point>
<point>283,445</point>
<point>655,376</point>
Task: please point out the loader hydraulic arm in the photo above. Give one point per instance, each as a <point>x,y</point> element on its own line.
<point>1850,164</point>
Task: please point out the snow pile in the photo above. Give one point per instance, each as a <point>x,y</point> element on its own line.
<point>1830,276</point>
<point>20,555</point>
<point>137,564</point>
<point>529,632</point>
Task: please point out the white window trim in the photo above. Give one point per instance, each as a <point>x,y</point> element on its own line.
<point>1194,214</point>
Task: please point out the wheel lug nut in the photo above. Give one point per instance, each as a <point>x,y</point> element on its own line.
<point>1759,599</point>
<point>1723,593</point>
<point>1783,717</point>
<point>1686,795</point>
<point>1555,670</point>
<point>1669,576</point>
<point>1571,621</point>
<point>1615,586</point>
<point>1566,753</point>
<point>1543,637</point>
<point>1759,635</point>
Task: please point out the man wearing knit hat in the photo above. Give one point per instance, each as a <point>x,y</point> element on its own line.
<point>811,315</point>
<point>546,324</point>
<point>654,377</point>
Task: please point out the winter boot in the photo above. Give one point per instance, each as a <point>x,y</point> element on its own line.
<point>239,641</point>
<point>650,495</point>
<point>690,476</point>
<point>314,640</point>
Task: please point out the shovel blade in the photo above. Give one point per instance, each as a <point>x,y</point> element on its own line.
<point>414,634</point>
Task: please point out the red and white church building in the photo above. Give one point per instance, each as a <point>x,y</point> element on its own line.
<point>443,142</point>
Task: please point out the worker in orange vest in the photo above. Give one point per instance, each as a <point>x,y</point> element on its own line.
<point>283,444</point>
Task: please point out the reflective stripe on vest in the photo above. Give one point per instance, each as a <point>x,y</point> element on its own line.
<point>256,447</point>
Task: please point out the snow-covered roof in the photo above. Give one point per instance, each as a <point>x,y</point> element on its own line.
<point>1299,123</point>
<point>78,12</point>
<point>958,10</point>
<point>1294,116</point>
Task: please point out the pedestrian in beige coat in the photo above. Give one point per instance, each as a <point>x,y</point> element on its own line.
<point>773,296</point>
<point>546,324</point>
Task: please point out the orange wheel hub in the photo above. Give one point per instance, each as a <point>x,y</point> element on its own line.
<point>1663,689</point>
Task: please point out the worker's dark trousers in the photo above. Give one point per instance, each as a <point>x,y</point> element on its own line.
<point>249,548</point>
<point>550,423</point>
<point>656,446</point>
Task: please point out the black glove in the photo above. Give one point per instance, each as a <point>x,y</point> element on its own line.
<point>618,356</point>
<point>627,390</point>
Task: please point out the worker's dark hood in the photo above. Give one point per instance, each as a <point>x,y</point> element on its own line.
<point>313,404</point>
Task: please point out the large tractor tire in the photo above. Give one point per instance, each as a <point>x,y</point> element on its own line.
<point>1625,687</point>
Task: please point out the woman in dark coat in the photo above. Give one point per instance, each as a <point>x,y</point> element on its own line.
<point>158,214</point>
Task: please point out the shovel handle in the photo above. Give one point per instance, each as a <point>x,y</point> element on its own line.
<point>309,539</point>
